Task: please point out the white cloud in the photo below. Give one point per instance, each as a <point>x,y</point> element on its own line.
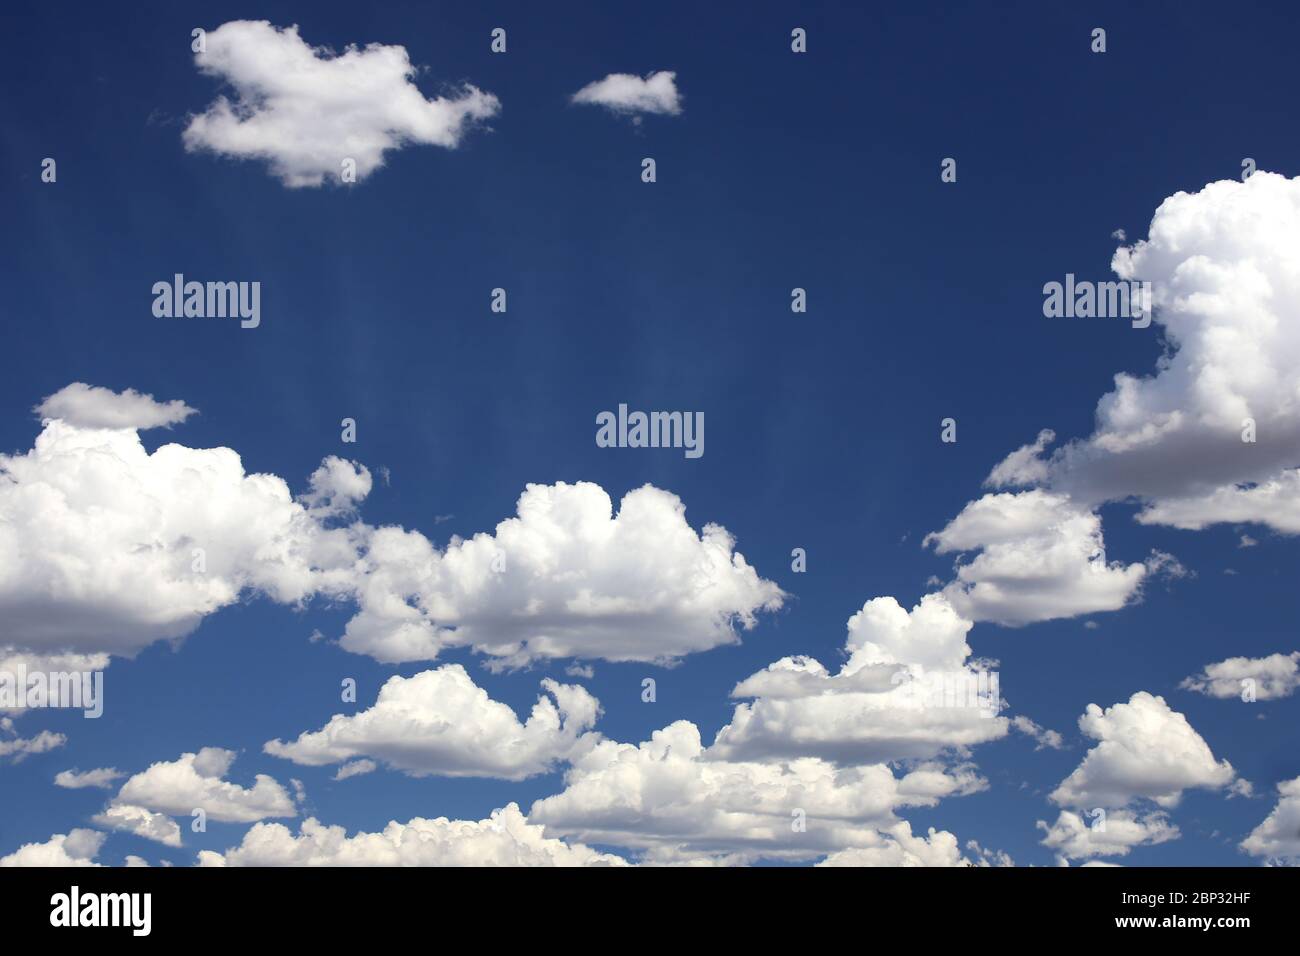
<point>627,93</point>
<point>98,540</point>
<point>106,548</point>
<point>1145,750</point>
<point>102,777</point>
<point>77,848</point>
<point>504,839</point>
<point>20,748</point>
<point>355,768</point>
<point>1120,831</point>
<point>440,722</point>
<point>1039,557</point>
<point>1042,737</point>
<point>303,110</point>
<point>896,846</point>
<point>141,822</point>
<point>568,577</point>
<point>1275,676</point>
<point>1278,837</point>
<point>675,801</point>
<point>195,781</point>
<point>1227,292</point>
<point>879,707</point>
<point>89,406</point>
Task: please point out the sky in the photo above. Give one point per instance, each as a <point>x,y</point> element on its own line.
<point>476,549</point>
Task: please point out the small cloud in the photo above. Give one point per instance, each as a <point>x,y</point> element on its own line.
<point>1247,542</point>
<point>629,95</point>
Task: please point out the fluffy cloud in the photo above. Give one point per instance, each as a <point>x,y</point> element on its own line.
<point>303,110</point>
<point>195,781</point>
<point>504,839</point>
<point>889,701</point>
<point>898,847</point>
<point>1115,834</point>
<point>141,822</point>
<point>673,800</point>
<point>106,548</point>
<point>19,748</point>
<point>1222,263</point>
<point>102,777</point>
<point>1278,837</point>
<point>1039,557</point>
<point>88,406</point>
<point>627,93</point>
<point>1145,751</point>
<point>441,723</point>
<point>1275,676</point>
<point>568,577</point>
<point>77,848</point>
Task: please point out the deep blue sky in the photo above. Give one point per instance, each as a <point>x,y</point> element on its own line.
<point>820,171</point>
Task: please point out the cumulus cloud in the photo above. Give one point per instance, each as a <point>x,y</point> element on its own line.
<point>1227,297</point>
<point>567,577</point>
<point>441,723</point>
<point>1113,834</point>
<point>102,777</point>
<point>106,548</point>
<point>1038,556</point>
<point>304,110</point>
<point>1278,837</point>
<point>504,839</point>
<point>627,93</point>
<point>89,406</point>
<point>76,848</point>
<point>674,801</point>
<point>906,691</point>
<point>897,846</point>
<point>1274,677</point>
<point>141,822</point>
<point>1145,751</point>
<point>195,781</point>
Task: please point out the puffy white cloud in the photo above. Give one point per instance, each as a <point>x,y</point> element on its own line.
<point>1115,834</point>
<point>1222,263</point>
<point>1145,750</point>
<point>1274,677</point>
<point>440,722</point>
<point>675,801</point>
<point>89,406</point>
<point>1043,738</point>
<point>627,93</point>
<point>141,822</point>
<point>76,848</point>
<point>896,846</point>
<point>504,839</point>
<point>1039,557</point>
<point>106,548</point>
<point>1278,837</point>
<point>195,781</point>
<point>102,777</point>
<point>567,577</point>
<point>304,110</point>
<point>904,692</point>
